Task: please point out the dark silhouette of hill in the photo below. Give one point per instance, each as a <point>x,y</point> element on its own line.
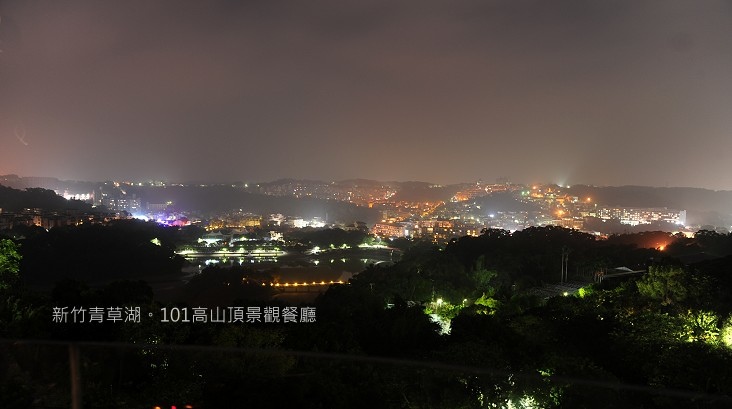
<point>504,202</point>
<point>13,200</point>
<point>45,182</point>
<point>225,198</point>
<point>672,197</point>
<point>425,192</point>
<point>364,182</point>
<point>703,206</point>
<point>99,254</point>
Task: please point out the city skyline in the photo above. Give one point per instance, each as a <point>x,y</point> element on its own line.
<point>611,94</point>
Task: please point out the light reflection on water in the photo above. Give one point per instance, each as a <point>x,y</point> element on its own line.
<point>290,267</point>
<point>287,269</point>
<point>353,264</point>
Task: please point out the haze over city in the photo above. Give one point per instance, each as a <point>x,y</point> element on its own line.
<point>606,93</point>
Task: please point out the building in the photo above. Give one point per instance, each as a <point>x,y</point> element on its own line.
<point>636,216</point>
<point>125,203</point>
<point>390,230</point>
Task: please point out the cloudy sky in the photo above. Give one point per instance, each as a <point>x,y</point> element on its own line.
<point>606,92</point>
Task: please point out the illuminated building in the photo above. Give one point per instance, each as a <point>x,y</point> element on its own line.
<point>389,230</point>
<point>437,230</point>
<point>636,216</point>
<point>157,207</point>
<point>576,223</point>
<point>84,197</point>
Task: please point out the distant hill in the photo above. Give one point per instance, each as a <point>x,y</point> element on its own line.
<point>224,198</point>
<point>425,192</point>
<point>504,202</point>
<point>366,183</point>
<point>13,200</point>
<point>644,196</point>
<point>703,206</point>
<point>290,180</point>
<point>51,183</point>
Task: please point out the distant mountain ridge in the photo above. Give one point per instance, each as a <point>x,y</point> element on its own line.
<point>13,200</point>
<point>700,203</point>
<point>680,198</point>
<point>225,198</point>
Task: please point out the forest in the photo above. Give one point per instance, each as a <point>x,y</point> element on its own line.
<point>456,326</point>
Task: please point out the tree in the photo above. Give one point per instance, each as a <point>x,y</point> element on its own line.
<point>663,283</point>
<point>9,265</point>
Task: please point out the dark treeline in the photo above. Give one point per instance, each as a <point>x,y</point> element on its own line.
<point>122,250</point>
<point>14,200</point>
<point>325,238</point>
<point>656,340</point>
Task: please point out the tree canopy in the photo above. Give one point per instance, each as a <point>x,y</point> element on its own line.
<point>9,264</point>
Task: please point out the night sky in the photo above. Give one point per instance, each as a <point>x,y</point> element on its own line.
<point>604,92</point>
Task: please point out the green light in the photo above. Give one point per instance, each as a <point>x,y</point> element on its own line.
<point>726,334</point>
